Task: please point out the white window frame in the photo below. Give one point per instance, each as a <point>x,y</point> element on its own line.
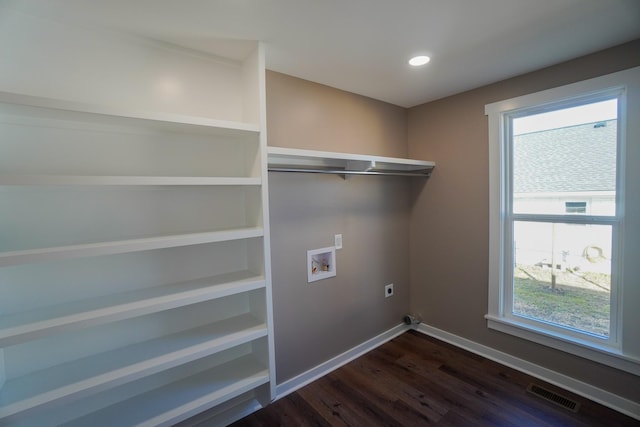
<point>620,350</point>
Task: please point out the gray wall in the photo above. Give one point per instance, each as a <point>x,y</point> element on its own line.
<point>449,221</point>
<point>316,321</point>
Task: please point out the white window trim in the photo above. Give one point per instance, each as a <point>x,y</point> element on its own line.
<point>621,351</point>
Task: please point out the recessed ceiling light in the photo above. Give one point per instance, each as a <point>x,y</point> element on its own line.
<point>416,61</point>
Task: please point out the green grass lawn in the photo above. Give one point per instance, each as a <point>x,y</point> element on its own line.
<point>583,306</point>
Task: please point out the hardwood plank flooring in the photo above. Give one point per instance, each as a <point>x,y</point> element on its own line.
<point>416,380</point>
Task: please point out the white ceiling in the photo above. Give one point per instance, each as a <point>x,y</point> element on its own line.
<point>363,46</point>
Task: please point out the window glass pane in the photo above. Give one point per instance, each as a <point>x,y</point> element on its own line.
<point>562,274</point>
<point>566,155</point>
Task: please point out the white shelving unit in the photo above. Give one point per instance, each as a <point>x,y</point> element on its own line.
<point>298,160</point>
<point>134,262</point>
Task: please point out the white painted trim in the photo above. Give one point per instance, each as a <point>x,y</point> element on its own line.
<point>588,391</point>
<point>330,365</point>
<point>604,354</point>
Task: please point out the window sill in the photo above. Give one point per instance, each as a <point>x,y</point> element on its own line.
<point>602,354</point>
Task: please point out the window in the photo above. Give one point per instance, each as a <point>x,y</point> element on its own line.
<point>554,156</point>
<point>559,191</point>
<point>575,207</point>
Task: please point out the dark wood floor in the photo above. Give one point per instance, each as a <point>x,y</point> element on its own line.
<point>415,380</point>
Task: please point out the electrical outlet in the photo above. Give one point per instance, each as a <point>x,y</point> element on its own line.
<point>388,290</point>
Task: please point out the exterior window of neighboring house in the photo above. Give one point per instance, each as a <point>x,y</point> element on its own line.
<point>575,207</point>
<point>556,267</point>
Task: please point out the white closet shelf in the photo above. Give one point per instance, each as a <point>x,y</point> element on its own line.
<point>110,369</point>
<point>21,327</point>
<point>175,402</point>
<point>74,180</point>
<point>125,246</point>
<point>297,160</point>
<point>69,110</point>
<point>134,348</point>
<point>227,412</point>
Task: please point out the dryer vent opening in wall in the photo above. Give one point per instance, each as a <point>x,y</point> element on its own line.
<point>412,319</point>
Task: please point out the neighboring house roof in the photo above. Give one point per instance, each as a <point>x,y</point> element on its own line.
<point>574,158</point>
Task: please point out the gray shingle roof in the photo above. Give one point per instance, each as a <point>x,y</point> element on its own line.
<point>575,158</point>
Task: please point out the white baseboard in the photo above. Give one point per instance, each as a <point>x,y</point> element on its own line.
<point>603,397</point>
<point>313,374</point>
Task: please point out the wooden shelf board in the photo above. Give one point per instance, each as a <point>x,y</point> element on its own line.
<point>69,110</point>
<point>228,412</point>
<point>76,180</point>
<point>178,401</point>
<point>124,246</point>
<point>21,327</point>
<point>95,373</point>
